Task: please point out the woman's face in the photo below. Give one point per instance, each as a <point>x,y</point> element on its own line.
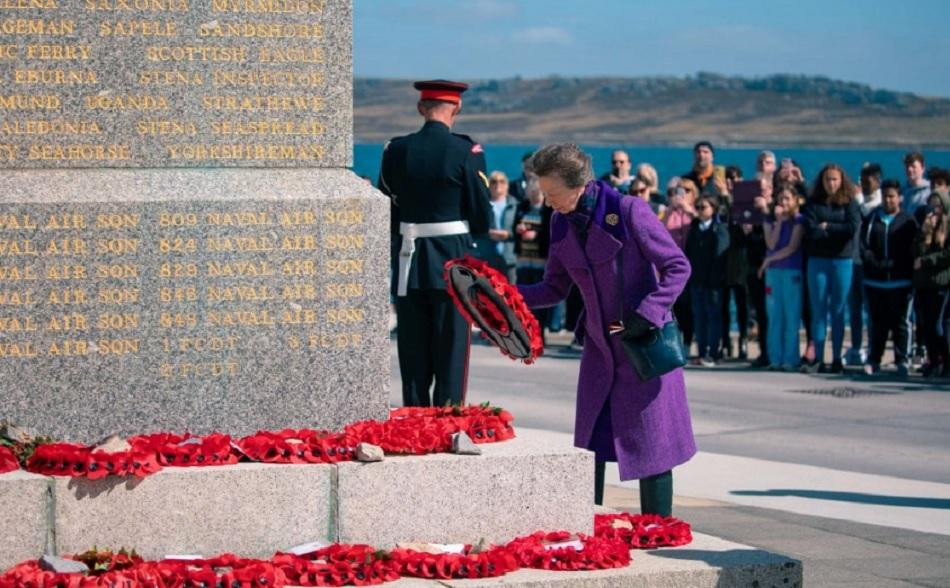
<point>705,209</point>
<point>640,189</point>
<point>689,195</point>
<point>831,180</point>
<point>558,195</point>
<point>936,203</point>
<point>499,188</point>
<point>788,202</point>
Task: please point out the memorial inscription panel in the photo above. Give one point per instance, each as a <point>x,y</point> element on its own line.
<point>175,307</point>
<point>175,83</point>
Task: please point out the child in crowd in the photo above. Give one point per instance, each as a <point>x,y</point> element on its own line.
<point>782,267</point>
<point>706,246</point>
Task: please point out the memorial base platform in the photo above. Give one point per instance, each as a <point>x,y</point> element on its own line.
<point>706,562</point>
<point>514,488</point>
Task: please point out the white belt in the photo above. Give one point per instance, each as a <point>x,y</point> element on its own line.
<point>412,231</point>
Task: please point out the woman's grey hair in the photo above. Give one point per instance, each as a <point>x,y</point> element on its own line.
<point>566,161</point>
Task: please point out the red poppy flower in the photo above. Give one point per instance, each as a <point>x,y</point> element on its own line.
<point>8,461</point>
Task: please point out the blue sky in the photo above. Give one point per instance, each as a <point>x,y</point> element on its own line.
<point>887,44</point>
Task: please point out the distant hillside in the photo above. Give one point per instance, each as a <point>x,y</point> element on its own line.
<point>776,110</point>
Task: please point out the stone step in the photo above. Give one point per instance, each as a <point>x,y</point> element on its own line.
<point>24,517</point>
<point>514,488</point>
<point>706,562</point>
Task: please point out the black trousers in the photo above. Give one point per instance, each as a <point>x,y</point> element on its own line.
<point>433,340</point>
<point>757,300</point>
<point>742,312</point>
<point>930,313</point>
<point>890,313</point>
<point>683,310</point>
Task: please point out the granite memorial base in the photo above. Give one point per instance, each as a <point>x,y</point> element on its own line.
<point>514,488</point>
<point>248,508</point>
<point>24,516</point>
<point>137,301</point>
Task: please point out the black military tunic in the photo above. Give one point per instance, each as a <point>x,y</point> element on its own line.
<point>433,176</point>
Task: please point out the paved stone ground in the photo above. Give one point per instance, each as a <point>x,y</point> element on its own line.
<point>835,553</point>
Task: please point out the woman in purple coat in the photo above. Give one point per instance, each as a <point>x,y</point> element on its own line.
<point>644,426</point>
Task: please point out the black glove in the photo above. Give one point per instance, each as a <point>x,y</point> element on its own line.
<point>636,326</point>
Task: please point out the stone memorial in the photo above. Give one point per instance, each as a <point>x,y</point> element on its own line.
<point>181,245</point>
<point>182,248</point>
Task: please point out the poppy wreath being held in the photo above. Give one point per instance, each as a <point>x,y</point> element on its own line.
<point>8,460</point>
<point>540,551</point>
<point>485,297</point>
<point>643,531</point>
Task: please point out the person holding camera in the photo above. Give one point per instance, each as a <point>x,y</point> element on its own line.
<point>629,271</point>
<point>931,279</point>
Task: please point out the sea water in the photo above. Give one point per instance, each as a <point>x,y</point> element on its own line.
<point>673,161</point>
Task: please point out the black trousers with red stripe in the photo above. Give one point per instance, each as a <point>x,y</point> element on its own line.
<point>433,340</point>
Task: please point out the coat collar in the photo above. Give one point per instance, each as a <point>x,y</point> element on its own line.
<point>607,231</point>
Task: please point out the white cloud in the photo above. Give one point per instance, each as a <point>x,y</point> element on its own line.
<point>543,36</point>
<point>492,9</point>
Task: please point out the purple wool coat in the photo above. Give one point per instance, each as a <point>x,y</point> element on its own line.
<point>652,431</point>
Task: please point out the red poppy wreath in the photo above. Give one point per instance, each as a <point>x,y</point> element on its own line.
<point>485,297</point>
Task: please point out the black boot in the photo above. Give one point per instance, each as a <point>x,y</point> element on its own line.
<point>743,348</point>
<point>656,494</point>
<point>600,469</point>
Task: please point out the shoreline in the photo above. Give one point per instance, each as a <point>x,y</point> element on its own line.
<point>688,144</point>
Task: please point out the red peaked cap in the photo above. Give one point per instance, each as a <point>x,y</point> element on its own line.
<point>443,90</point>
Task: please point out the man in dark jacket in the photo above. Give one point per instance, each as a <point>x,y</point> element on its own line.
<point>887,251</point>
<point>436,180</point>
<point>706,246</point>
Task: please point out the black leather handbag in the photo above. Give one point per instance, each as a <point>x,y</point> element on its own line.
<point>656,352</point>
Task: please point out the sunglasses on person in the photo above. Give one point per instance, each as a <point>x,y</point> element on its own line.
<point>643,190</point>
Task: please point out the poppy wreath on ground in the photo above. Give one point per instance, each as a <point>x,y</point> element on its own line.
<point>187,450</point>
<point>643,531</point>
<point>493,562</point>
<point>541,551</point>
<point>408,431</point>
<point>338,565</point>
<point>108,570</point>
<point>485,297</point>
<point>297,446</point>
<point>75,460</point>
<point>8,460</point>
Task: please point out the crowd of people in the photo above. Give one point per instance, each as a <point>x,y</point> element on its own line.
<point>773,255</point>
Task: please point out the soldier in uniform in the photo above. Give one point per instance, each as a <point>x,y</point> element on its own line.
<point>439,190</point>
